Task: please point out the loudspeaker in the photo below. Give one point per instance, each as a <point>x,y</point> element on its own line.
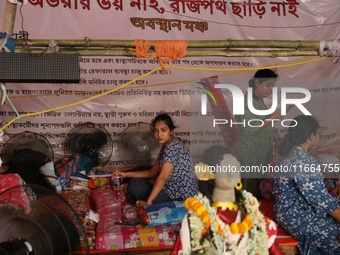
<point>39,68</point>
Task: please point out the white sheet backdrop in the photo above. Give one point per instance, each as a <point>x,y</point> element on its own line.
<point>118,20</point>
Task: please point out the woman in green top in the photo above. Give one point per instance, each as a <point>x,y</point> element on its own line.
<point>255,144</point>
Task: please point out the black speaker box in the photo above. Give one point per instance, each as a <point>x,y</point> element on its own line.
<point>39,68</point>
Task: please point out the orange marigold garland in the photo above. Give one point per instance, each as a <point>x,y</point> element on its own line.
<point>204,218</point>
<point>235,228</point>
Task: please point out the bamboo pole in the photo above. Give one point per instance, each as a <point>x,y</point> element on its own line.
<point>9,18</point>
<point>229,43</point>
<point>219,48</point>
<point>190,53</point>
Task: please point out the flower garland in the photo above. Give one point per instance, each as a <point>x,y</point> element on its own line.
<point>235,228</point>
<point>199,244</point>
<point>204,218</point>
<point>209,221</point>
<point>258,234</point>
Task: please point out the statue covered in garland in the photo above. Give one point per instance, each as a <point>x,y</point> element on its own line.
<point>226,221</point>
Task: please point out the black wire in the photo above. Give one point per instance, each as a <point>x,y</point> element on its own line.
<point>22,26</point>
<point>23,30</point>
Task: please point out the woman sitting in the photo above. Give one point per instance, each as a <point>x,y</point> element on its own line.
<point>303,206</point>
<point>173,170</point>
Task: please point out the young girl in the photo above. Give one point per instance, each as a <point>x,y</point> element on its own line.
<point>173,170</point>
<point>303,206</point>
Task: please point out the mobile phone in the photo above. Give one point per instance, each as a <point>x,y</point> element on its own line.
<point>127,223</point>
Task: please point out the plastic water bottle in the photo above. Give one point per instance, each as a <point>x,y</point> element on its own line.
<point>119,196</point>
<point>117,182</point>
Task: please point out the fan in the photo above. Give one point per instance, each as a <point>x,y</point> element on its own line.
<point>49,226</point>
<point>26,140</point>
<point>137,145</point>
<point>91,140</point>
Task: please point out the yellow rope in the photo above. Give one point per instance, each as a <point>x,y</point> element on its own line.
<point>154,70</point>
<point>79,102</point>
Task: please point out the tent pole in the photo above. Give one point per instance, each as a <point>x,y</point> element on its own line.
<point>9,18</point>
<point>228,44</point>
